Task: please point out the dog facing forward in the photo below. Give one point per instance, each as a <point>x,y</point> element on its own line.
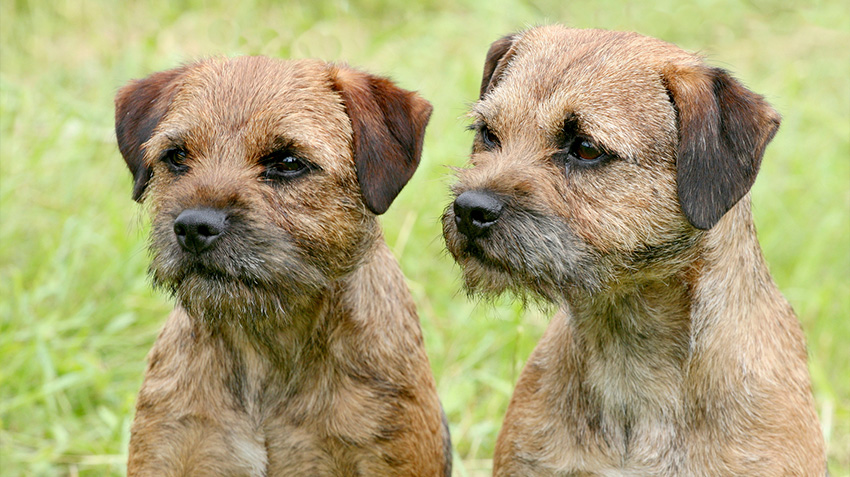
<point>294,348</point>
<point>610,176</point>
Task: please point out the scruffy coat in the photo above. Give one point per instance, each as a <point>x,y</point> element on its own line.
<point>294,348</point>
<point>616,171</point>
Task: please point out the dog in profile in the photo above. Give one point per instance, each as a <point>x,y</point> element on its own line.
<point>294,347</point>
<point>610,176</point>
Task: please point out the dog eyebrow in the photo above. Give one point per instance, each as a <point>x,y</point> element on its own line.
<point>476,125</point>
<point>272,143</point>
<point>476,118</point>
<point>571,123</point>
<point>481,111</point>
<point>177,138</point>
<point>280,142</point>
<point>166,139</point>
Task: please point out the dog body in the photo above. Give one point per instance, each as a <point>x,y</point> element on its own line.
<point>610,176</point>
<point>294,348</point>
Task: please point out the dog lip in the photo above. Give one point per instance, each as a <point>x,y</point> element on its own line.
<point>474,250</point>
<point>191,264</point>
<point>199,270</point>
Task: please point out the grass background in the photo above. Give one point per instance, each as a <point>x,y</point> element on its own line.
<point>76,313</point>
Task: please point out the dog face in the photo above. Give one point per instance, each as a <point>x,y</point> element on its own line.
<point>598,155</point>
<point>264,177</point>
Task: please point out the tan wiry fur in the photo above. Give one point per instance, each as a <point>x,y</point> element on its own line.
<point>294,348</point>
<point>673,352</point>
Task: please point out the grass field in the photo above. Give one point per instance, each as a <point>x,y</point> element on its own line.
<point>76,313</point>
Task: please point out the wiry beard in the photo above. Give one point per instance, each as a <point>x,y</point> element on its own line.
<point>221,300</point>
<point>537,257</point>
<point>255,277</point>
<point>529,255</point>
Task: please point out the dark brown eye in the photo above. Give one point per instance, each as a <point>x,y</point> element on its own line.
<point>175,159</point>
<point>586,150</point>
<point>491,141</point>
<point>280,166</point>
<point>288,164</point>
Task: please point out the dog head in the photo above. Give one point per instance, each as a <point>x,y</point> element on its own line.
<point>598,155</point>
<point>264,177</point>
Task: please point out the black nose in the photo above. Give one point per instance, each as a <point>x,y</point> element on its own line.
<point>476,211</point>
<point>198,229</point>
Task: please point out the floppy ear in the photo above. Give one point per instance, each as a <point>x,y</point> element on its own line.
<point>497,58</point>
<point>389,127</point>
<point>139,107</point>
<point>723,131</point>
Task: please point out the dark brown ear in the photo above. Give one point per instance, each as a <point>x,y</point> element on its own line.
<point>723,131</point>
<point>497,59</point>
<point>389,127</point>
<point>139,107</point>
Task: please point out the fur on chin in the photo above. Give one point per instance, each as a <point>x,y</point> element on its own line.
<point>489,283</point>
<point>532,256</point>
<point>218,298</point>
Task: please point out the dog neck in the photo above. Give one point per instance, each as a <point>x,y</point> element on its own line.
<point>656,346</point>
<point>740,322</point>
<point>632,344</point>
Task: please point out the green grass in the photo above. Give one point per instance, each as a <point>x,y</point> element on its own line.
<point>76,313</point>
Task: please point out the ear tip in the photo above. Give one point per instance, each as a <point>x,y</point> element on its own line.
<point>775,120</point>
<point>377,203</point>
<point>421,108</point>
<point>427,107</point>
<point>379,187</point>
<point>701,222</point>
<point>378,210</point>
<point>141,177</point>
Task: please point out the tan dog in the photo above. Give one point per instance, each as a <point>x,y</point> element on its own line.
<point>610,176</point>
<point>294,348</point>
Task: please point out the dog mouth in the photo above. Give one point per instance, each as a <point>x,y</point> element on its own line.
<point>224,265</point>
<point>173,273</point>
<point>494,249</point>
<point>473,250</point>
<point>476,250</point>
<point>233,290</point>
<point>247,263</point>
<point>210,272</point>
<point>489,275</point>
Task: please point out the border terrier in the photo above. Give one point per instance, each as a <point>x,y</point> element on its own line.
<point>609,176</point>
<point>294,347</point>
